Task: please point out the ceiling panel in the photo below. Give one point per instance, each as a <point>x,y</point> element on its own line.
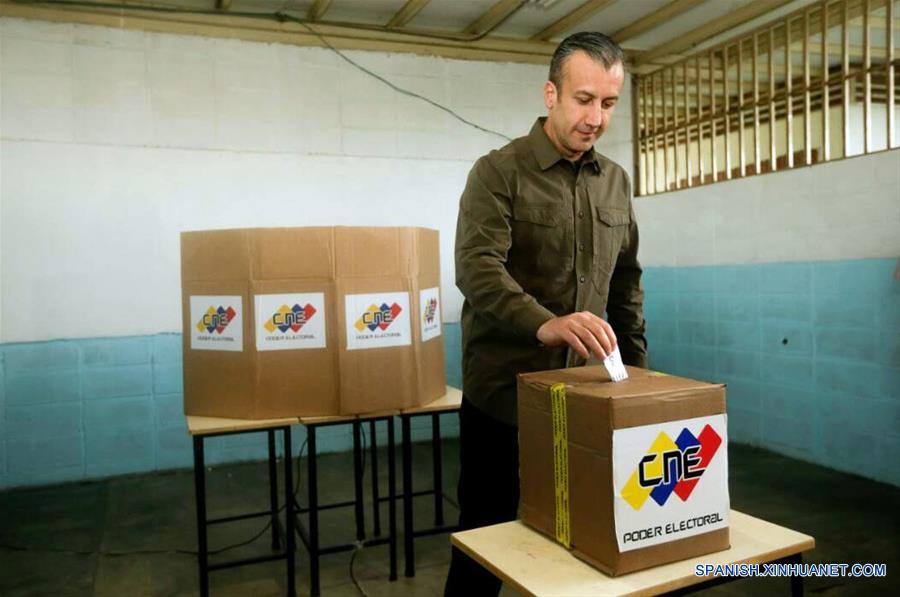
<point>370,12</point>
<point>452,17</point>
<point>686,21</point>
<point>535,16</point>
<point>619,14</point>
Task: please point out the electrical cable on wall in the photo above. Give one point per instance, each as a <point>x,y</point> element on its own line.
<point>393,86</point>
<point>121,7</point>
<point>284,17</point>
<point>281,17</point>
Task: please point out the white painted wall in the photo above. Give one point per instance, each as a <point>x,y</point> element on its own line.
<point>845,209</point>
<point>113,141</point>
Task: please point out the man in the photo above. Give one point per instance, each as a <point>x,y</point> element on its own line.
<point>546,243</point>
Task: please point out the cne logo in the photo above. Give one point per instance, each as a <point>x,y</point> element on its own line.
<point>216,320</point>
<point>671,467</point>
<point>289,318</point>
<point>430,310</point>
<point>376,317</point>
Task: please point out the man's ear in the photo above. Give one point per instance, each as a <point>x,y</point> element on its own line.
<point>550,96</point>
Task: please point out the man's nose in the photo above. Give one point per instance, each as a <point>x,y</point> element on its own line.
<point>595,116</point>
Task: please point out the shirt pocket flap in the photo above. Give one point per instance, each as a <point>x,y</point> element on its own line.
<point>542,216</point>
<point>613,217</point>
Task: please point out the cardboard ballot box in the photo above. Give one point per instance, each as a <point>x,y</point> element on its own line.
<point>310,321</point>
<point>628,475</point>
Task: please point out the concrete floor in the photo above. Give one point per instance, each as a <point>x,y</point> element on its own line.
<point>119,537</point>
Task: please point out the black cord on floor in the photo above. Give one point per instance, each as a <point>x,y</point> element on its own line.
<point>297,482</point>
<point>358,586</point>
<point>260,533</point>
<point>362,428</point>
<point>450,501</point>
<point>243,543</point>
<point>138,552</point>
<point>359,545</point>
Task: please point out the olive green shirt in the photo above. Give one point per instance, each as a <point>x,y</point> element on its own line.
<point>539,236</point>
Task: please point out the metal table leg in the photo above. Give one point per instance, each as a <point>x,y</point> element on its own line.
<point>313,512</point>
<point>273,492</point>
<point>289,519</point>
<point>358,483</point>
<point>437,470</point>
<point>200,495</point>
<point>376,511</point>
<point>392,499</point>
<point>409,554</point>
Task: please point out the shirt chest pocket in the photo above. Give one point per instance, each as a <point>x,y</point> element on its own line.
<point>541,239</point>
<point>610,228</point>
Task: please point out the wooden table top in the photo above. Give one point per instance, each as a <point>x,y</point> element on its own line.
<point>536,565</point>
<point>210,425</point>
<point>321,420</point>
<point>447,403</point>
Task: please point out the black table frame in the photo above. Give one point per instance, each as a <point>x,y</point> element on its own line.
<point>203,522</point>
<point>310,536</point>
<point>437,490</point>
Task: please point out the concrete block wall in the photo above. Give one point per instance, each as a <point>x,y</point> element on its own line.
<point>785,287</point>
<point>83,409</point>
<point>114,141</point>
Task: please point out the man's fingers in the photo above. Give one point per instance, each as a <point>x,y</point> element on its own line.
<point>585,332</point>
<point>603,344</point>
<point>610,333</point>
<point>575,342</point>
<point>591,340</point>
<point>603,331</point>
<point>605,336</point>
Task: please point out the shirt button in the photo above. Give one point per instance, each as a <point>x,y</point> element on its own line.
<point>581,247</point>
<point>581,214</point>
<point>581,279</point>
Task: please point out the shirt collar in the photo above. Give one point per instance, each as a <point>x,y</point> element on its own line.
<point>546,153</point>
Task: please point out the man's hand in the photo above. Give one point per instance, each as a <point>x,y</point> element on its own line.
<point>583,331</point>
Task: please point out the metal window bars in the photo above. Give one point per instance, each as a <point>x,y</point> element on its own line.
<point>812,86</point>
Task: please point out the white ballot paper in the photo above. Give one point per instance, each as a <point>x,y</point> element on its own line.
<point>613,364</point>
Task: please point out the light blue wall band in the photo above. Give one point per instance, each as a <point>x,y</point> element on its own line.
<point>810,353</point>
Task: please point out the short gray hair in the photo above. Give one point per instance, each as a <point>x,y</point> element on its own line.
<point>596,45</point>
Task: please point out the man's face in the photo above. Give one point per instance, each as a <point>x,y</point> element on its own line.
<point>581,110</point>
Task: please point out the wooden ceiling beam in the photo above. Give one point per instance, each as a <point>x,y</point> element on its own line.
<point>493,17</point>
<point>641,66</point>
<point>573,19</point>
<point>318,10</point>
<point>407,13</point>
<point>341,36</point>
<point>654,19</point>
<point>711,29</point>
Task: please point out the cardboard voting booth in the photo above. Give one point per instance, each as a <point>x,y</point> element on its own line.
<point>310,321</point>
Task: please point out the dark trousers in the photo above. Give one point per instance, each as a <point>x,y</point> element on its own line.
<point>488,492</point>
